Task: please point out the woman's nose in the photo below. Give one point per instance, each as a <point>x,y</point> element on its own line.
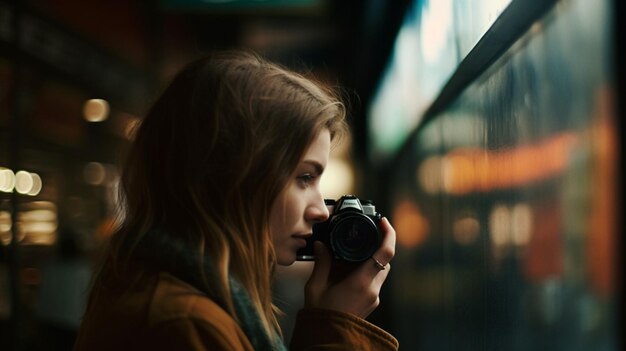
<point>318,212</point>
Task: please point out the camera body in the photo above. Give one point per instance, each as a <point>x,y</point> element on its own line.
<point>351,232</point>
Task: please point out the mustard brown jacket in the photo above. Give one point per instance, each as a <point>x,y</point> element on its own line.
<point>166,313</point>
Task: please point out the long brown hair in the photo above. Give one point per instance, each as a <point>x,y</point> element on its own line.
<point>208,161</point>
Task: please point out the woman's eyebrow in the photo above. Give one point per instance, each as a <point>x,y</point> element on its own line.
<point>318,166</point>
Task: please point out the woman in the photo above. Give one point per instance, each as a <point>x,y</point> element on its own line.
<point>222,184</point>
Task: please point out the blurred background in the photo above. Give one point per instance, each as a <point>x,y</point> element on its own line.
<point>488,131</point>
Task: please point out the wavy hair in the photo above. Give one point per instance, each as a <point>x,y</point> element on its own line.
<point>206,165</point>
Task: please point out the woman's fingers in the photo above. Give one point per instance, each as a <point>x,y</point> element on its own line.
<point>388,247</point>
<point>358,292</point>
<point>380,260</point>
<point>321,269</point>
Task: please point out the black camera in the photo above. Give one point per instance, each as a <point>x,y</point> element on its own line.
<point>351,232</point>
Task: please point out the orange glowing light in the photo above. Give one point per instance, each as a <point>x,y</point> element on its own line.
<point>601,244</point>
<point>544,258</point>
<point>411,225</point>
<point>106,228</point>
<point>472,169</point>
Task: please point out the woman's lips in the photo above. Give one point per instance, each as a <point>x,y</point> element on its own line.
<point>301,238</point>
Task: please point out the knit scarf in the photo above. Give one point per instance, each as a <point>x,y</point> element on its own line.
<point>251,322</point>
<point>163,251</point>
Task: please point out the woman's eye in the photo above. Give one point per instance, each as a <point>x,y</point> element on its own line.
<point>306,178</point>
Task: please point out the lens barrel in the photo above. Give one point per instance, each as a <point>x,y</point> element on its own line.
<point>353,237</point>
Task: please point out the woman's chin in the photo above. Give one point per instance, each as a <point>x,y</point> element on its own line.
<point>286,261</point>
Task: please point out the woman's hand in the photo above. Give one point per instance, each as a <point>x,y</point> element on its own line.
<point>358,291</point>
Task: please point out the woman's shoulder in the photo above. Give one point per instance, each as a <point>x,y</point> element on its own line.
<point>178,311</point>
<point>174,298</point>
<point>158,312</point>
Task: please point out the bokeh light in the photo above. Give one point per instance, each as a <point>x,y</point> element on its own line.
<point>96,110</point>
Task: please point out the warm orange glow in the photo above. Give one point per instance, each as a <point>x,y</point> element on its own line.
<point>38,224</point>
<point>467,170</point>
<point>5,227</point>
<point>106,228</point>
<point>96,110</point>
<point>466,230</point>
<point>429,174</point>
<point>602,241</point>
<point>544,257</point>
<point>411,226</point>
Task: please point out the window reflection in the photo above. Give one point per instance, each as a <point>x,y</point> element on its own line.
<point>517,180</point>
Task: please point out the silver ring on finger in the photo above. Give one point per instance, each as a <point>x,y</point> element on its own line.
<point>378,265</point>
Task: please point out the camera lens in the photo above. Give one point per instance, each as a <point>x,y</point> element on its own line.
<point>354,237</point>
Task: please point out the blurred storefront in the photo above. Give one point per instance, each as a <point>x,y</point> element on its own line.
<point>501,143</point>
<point>64,124</point>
